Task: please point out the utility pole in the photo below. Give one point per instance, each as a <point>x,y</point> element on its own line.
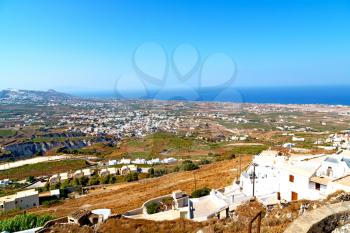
<point>254,164</point>
<point>240,165</point>
<point>195,181</point>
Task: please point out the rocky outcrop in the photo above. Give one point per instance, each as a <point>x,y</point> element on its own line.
<point>30,149</point>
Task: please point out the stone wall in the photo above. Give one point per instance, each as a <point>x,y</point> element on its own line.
<point>322,220</point>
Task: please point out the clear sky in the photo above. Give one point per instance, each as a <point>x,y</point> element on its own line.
<point>86,45</point>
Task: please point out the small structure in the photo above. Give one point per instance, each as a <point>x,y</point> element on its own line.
<point>103,172</point>
<point>54,179</point>
<point>113,171</point>
<point>4,182</point>
<point>102,213</point>
<point>125,161</point>
<point>112,162</point>
<point>80,217</point>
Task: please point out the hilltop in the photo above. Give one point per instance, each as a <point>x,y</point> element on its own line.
<point>15,96</point>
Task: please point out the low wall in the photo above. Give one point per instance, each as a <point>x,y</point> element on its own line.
<point>51,223</point>
<point>322,220</point>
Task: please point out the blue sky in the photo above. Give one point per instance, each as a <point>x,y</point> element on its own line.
<point>87,45</point>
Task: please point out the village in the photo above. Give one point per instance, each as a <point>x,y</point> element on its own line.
<point>272,179</point>
<point>71,163</point>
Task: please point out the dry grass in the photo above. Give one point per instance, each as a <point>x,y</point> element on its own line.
<point>143,226</point>
<point>127,196</point>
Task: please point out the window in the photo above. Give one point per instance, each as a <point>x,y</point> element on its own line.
<point>278,196</point>
<point>291,178</point>
<point>317,186</point>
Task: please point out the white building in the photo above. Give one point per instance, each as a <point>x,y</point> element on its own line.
<point>4,182</point>
<point>21,200</point>
<point>112,162</point>
<point>296,177</point>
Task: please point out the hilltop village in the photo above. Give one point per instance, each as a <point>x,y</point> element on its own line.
<point>84,165</point>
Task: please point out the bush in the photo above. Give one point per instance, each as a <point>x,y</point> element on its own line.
<point>132,176</point>
<point>160,172</point>
<point>151,172</point>
<point>204,161</point>
<point>50,203</point>
<point>112,180</point>
<point>187,161</point>
<point>30,179</point>
<point>201,192</point>
<point>153,208</point>
<point>24,222</point>
<point>84,180</point>
<point>65,184</point>
<point>190,166</point>
<point>94,181</point>
<point>105,179</point>
<point>176,169</point>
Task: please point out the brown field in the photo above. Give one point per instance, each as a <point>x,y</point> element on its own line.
<point>127,196</point>
<point>128,226</point>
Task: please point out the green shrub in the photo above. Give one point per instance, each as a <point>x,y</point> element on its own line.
<point>30,179</point>
<point>190,166</point>
<point>84,180</point>
<point>132,176</point>
<point>160,172</point>
<point>153,208</point>
<point>105,179</point>
<point>94,181</point>
<point>204,161</point>
<point>200,192</point>
<point>187,161</point>
<point>50,203</point>
<point>24,222</point>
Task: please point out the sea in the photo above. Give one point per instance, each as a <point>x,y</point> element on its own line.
<point>330,95</point>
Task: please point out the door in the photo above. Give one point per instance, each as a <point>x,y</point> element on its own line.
<point>294,196</point>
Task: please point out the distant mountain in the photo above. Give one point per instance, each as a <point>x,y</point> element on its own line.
<point>27,96</point>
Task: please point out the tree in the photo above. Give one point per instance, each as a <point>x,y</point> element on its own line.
<point>84,180</point>
<point>55,186</point>
<point>104,179</point>
<point>132,176</point>
<point>94,181</point>
<point>47,186</point>
<point>30,179</point>
<point>65,184</point>
<point>200,192</point>
<point>151,172</point>
<point>76,182</point>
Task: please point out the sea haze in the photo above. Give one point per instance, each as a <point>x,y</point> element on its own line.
<point>334,95</point>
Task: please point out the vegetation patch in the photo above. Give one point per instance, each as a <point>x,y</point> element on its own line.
<point>7,133</point>
<point>24,222</point>
<point>201,192</point>
<point>41,169</point>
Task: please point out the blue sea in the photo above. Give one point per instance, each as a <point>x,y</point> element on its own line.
<point>332,95</point>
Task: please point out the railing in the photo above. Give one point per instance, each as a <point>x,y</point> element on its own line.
<point>258,216</point>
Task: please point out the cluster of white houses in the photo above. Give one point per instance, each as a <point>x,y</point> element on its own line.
<point>142,161</point>
<point>101,172</point>
<point>271,179</point>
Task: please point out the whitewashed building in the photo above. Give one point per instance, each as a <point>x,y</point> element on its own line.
<point>298,177</point>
